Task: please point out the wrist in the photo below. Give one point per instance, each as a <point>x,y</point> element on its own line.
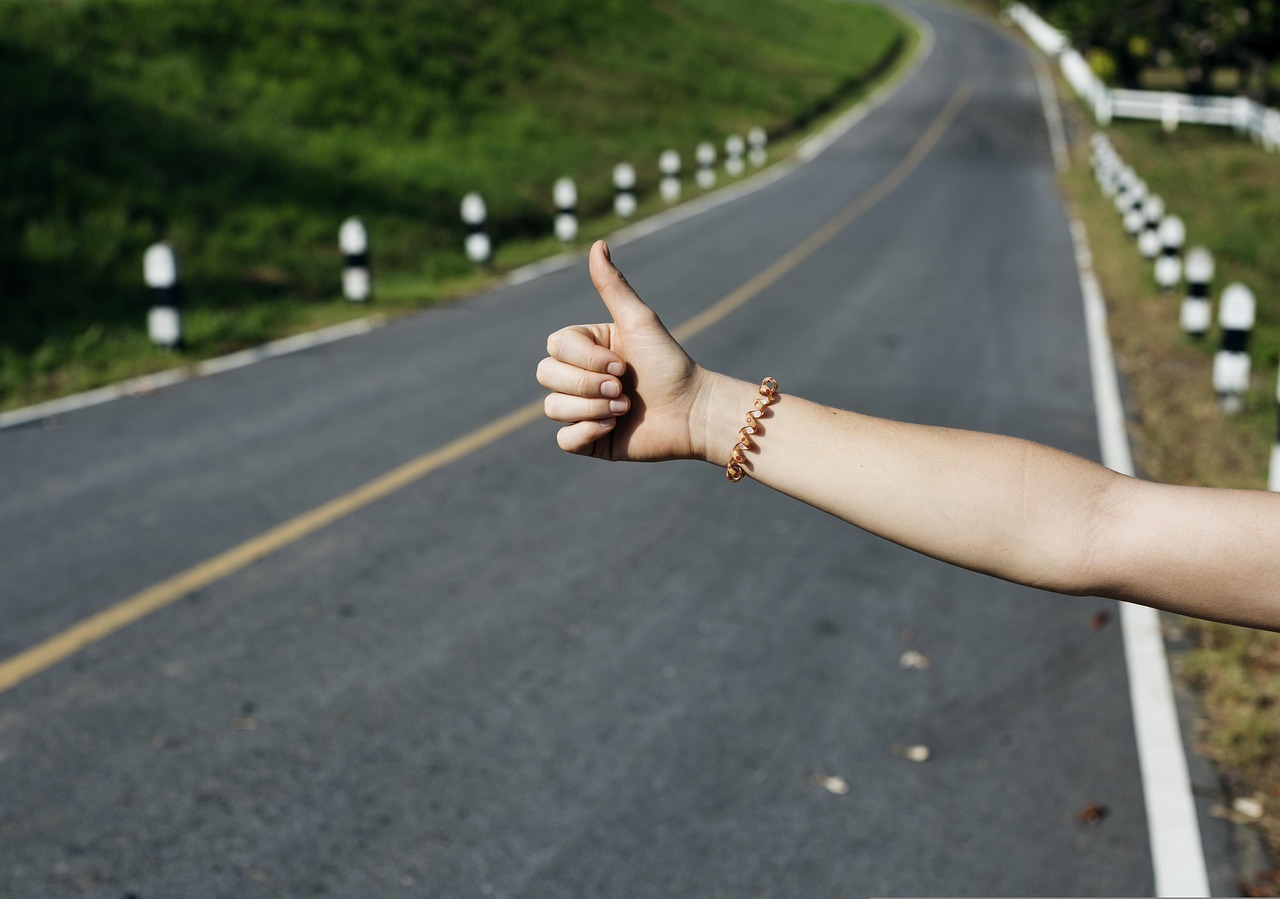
<point>715,419</point>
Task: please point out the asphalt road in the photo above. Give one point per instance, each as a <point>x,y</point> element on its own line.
<point>527,674</point>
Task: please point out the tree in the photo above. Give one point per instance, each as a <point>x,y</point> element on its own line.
<point>1196,36</point>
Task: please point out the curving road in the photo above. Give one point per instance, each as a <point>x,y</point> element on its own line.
<point>525,674</point>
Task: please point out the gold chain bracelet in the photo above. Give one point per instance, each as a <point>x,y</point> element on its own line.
<point>768,393</point>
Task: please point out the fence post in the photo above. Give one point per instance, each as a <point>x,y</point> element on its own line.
<point>1171,235</point>
<point>164,319</point>
<point>1102,107</point>
<point>1196,313</point>
<point>706,165</point>
<point>565,194</point>
<point>1231,364</point>
<point>758,138</point>
<point>474,214</point>
<point>669,166</point>
<point>624,182</point>
<point>353,240</point>
<point>1169,113</point>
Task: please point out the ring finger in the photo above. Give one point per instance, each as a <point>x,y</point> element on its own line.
<point>567,408</point>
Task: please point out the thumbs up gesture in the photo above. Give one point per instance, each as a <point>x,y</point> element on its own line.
<point>624,389</point>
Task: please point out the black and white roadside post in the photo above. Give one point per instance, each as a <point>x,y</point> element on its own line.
<point>624,182</point>
<point>565,194</point>
<point>734,148</point>
<point>706,156</point>
<point>164,319</point>
<point>758,139</point>
<point>1196,312</point>
<point>1172,235</point>
<point>353,241</point>
<point>669,166</point>
<point>1273,476</point>
<point>1129,204</point>
<point>1231,363</point>
<point>474,215</point>
<point>1148,236</point>
<point>1106,166</point>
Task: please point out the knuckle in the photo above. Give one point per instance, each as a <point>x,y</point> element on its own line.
<point>586,385</point>
<point>555,342</point>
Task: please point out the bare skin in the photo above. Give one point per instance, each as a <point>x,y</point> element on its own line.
<point>625,390</point>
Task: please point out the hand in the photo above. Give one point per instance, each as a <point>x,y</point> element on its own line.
<point>624,389</point>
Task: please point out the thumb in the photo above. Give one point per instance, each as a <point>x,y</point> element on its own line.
<point>623,303</point>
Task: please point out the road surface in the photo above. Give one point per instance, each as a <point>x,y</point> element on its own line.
<point>526,674</point>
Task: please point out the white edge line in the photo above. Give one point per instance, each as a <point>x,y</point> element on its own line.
<point>1177,853</point>
<point>1052,116</point>
<point>147,384</point>
<point>810,148</point>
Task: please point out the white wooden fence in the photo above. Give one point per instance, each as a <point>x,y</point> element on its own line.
<point>1170,108</point>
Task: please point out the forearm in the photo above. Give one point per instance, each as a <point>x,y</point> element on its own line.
<point>1003,506</point>
<point>1014,509</point>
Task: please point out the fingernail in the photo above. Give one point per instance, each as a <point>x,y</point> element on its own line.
<point>606,251</point>
<point>610,388</point>
<point>617,405</point>
<point>617,369</point>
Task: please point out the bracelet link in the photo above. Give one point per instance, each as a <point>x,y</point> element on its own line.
<point>735,471</point>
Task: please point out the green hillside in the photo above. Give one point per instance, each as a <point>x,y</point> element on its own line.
<point>244,132</point>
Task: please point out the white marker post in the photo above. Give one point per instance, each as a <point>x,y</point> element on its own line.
<point>1129,204</point>
<point>624,182</point>
<point>669,166</point>
<point>734,148</point>
<point>474,214</point>
<point>565,194</point>
<point>353,241</point>
<point>758,155</point>
<point>164,319</point>
<point>1196,310</point>
<point>1172,235</point>
<point>706,156</point>
<point>1106,165</point>
<point>1148,237</point>
<point>1231,363</point>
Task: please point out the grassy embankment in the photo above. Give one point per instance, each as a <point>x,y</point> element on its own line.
<point>245,132</point>
<point>1227,191</point>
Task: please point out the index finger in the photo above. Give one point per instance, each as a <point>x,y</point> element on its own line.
<point>586,347</point>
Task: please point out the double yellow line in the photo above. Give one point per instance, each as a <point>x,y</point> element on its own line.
<point>30,662</point>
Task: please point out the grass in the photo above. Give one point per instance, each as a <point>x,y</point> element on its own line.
<point>244,133</point>
<point>1226,190</point>
<point>1218,183</point>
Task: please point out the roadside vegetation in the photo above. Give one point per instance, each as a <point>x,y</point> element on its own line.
<point>245,132</point>
<point>1227,191</point>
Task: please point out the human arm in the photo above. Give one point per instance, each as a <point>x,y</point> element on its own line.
<point>1007,507</point>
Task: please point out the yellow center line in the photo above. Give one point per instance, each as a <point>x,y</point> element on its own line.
<point>30,662</point>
